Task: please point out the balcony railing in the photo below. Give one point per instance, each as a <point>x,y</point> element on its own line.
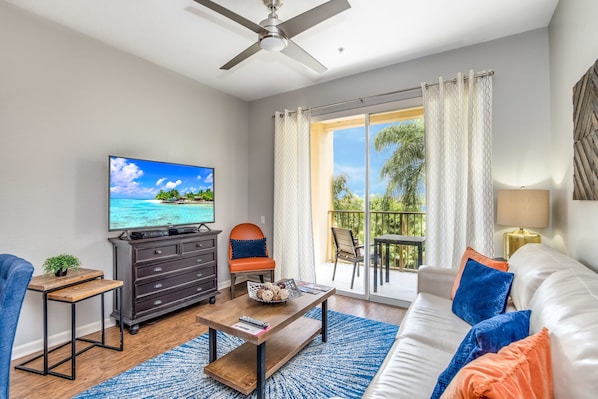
<point>402,257</point>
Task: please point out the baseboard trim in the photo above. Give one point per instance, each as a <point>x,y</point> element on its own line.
<point>59,338</point>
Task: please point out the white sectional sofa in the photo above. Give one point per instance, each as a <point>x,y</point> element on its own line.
<point>562,295</point>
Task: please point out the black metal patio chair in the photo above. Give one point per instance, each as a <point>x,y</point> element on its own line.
<point>347,248</point>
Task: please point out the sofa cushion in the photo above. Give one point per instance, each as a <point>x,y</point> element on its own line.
<point>412,365</point>
<point>409,371</point>
<point>519,370</point>
<point>432,313</point>
<point>567,304</point>
<point>471,253</point>
<point>532,264</point>
<point>482,293</point>
<point>251,264</point>
<point>488,336</point>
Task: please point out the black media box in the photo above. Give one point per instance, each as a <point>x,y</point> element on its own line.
<point>174,231</point>
<point>139,235</point>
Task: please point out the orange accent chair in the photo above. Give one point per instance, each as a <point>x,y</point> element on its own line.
<point>256,265</point>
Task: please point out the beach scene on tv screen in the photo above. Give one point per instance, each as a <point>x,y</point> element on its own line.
<point>150,194</point>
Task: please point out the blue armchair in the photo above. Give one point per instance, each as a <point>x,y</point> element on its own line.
<point>15,274</point>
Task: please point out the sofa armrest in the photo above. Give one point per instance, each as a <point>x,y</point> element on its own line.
<point>436,280</point>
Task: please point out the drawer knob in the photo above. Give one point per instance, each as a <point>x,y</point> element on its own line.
<point>158,302</point>
<point>157,269</point>
<point>198,245</point>
<point>199,274</point>
<point>199,289</point>
<point>158,252</point>
<point>158,285</point>
<point>199,260</point>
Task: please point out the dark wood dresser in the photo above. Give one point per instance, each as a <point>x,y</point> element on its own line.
<point>164,274</point>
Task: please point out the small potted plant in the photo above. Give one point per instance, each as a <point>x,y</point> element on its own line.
<point>60,264</point>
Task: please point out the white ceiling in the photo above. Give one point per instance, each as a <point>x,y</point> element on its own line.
<point>187,38</point>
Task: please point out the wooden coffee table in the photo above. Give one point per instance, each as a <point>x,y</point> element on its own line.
<point>247,367</point>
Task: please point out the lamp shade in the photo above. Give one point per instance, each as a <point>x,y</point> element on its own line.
<point>523,208</point>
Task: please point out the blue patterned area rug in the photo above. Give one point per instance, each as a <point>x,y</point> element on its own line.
<point>343,366</point>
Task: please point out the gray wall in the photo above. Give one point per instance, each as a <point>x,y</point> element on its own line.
<point>66,102</point>
<point>521,122</point>
<point>573,49</point>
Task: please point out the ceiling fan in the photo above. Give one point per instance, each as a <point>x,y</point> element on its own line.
<point>275,35</point>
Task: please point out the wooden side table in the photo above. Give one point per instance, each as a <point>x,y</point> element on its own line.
<point>76,286</point>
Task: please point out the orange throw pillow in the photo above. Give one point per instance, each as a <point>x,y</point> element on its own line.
<point>471,253</point>
<point>522,369</point>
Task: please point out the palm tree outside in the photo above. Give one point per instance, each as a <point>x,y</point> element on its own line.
<point>398,208</point>
<point>405,169</point>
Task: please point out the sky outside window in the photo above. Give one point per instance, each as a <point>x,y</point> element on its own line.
<point>349,159</point>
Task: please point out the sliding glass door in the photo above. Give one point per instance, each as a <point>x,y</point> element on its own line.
<point>360,197</point>
<point>396,202</point>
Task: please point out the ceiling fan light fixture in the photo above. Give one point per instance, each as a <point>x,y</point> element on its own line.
<point>273,42</point>
<point>275,35</point>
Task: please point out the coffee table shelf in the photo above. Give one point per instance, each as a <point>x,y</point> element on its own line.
<point>237,368</point>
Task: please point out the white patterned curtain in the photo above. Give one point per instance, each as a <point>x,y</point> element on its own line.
<point>293,246</point>
<point>459,195</point>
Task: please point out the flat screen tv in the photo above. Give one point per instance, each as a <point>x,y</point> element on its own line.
<point>149,194</point>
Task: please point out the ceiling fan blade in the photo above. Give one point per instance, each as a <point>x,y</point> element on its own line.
<point>298,54</point>
<point>248,52</point>
<point>231,15</point>
<point>312,17</point>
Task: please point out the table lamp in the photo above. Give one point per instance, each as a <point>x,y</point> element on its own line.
<point>524,208</point>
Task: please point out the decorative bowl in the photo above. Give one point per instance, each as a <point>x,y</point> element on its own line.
<point>253,289</point>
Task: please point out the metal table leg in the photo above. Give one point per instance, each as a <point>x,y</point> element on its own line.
<point>74,340</point>
<point>45,300</point>
<point>387,262</point>
<point>325,321</point>
<point>212,344</point>
<point>376,252</point>
<point>261,371</point>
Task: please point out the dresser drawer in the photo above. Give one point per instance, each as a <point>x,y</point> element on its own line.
<point>198,245</point>
<point>155,252</point>
<point>199,273</point>
<point>162,270</point>
<point>168,298</point>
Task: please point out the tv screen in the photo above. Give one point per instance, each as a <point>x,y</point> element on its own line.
<point>148,194</point>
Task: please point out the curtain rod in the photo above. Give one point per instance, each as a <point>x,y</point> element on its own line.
<point>363,99</point>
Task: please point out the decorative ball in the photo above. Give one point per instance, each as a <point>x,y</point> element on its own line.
<point>267,295</point>
<point>283,294</point>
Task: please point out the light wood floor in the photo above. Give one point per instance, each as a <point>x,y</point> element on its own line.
<point>98,364</point>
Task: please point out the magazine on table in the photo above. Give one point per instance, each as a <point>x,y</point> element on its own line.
<point>312,288</point>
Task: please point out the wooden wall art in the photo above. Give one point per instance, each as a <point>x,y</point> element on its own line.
<point>585,136</point>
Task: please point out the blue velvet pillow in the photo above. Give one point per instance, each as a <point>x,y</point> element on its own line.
<point>482,292</point>
<point>249,248</point>
<point>488,336</point>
